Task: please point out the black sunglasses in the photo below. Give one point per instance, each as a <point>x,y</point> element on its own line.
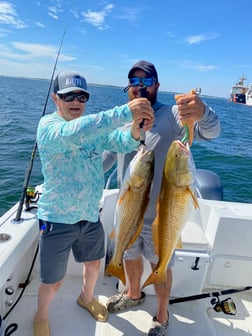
<point>136,81</point>
<point>69,97</point>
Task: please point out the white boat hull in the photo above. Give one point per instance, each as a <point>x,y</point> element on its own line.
<point>219,234</point>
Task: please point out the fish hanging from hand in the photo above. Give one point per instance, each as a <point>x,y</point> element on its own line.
<point>174,203</point>
<point>189,124</point>
<point>130,208</point>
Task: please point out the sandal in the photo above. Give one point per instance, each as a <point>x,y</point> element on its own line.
<point>95,308</point>
<point>41,328</point>
<point>121,301</point>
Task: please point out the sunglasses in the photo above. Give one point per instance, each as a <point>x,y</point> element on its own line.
<point>136,81</point>
<point>69,97</point>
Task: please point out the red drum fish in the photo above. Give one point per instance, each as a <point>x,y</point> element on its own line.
<point>130,208</point>
<point>174,202</point>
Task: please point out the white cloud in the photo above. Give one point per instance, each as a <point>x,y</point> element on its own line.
<point>29,59</point>
<point>129,14</point>
<point>97,18</point>
<point>55,9</point>
<point>53,12</point>
<point>39,24</point>
<point>3,32</point>
<point>8,15</point>
<point>195,39</point>
<point>19,51</point>
<point>198,67</point>
<point>30,69</point>
<point>170,34</point>
<point>205,68</point>
<point>75,13</point>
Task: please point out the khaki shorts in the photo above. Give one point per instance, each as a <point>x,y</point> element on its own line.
<point>144,246</point>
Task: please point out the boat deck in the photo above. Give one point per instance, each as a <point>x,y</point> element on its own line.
<point>226,231</point>
<point>67,318</point>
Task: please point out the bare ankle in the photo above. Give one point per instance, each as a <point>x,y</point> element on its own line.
<point>134,295</point>
<point>39,318</point>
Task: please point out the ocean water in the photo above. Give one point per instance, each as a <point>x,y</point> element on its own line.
<point>23,102</point>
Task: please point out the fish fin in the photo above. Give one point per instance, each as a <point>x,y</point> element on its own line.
<point>188,123</point>
<point>117,270</point>
<point>179,243</point>
<point>155,233</point>
<point>122,196</point>
<point>155,277</point>
<point>112,234</point>
<point>195,201</point>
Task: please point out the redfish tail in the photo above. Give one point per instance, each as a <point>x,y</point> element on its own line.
<point>155,277</point>
<point>190,125</point>
<point>117,270</point>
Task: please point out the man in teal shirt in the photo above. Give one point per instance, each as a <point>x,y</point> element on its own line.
<point>70,147</point>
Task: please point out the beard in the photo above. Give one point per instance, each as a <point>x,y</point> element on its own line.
<point>151,96</point>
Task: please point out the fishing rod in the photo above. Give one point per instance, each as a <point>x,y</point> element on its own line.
<point>143,94</point>
<point>29,169</point>
<point>227,306</point>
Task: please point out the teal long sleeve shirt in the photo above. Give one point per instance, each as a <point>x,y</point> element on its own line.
<point>71,158</point>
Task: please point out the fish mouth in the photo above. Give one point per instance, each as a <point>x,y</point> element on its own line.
<point>183,148</point>
<point>145,154</point>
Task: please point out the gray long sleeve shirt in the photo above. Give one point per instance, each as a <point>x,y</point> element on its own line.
<point>165,130</point>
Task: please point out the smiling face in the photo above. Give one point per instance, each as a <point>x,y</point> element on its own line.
<point>151,91</point>
<point>69,110</point>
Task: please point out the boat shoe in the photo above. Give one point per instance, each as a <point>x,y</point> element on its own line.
<point>95,308</point>
<point>41,328</point>
<point>158,329</point>
<point>121,301</point>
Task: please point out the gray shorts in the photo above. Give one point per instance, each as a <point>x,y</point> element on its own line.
<point>144,246</point>
<point>85,239</point>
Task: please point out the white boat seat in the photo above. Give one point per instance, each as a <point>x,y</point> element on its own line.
<point>108,204</point>
<point>193,237</point>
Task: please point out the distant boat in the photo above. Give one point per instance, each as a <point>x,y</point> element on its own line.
<point>249,95</point>
<point>241,93</point>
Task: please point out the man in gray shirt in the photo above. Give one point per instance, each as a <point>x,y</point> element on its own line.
<point>167,128</point>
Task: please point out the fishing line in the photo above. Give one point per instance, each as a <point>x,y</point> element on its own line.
<point>29,169</point>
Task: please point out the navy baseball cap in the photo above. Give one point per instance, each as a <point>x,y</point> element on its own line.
<point>145,66</point>
<point>69,81</point>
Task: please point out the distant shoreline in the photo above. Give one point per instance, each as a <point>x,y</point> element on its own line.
<point>107,85</point>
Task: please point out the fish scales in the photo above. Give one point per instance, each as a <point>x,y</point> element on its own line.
<point>130,209</point>
<point>174,203</point>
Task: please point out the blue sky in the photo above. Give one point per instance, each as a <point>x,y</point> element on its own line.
<point>204,43</point>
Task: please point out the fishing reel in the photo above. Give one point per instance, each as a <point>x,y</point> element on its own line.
<point>31,198</point>
<point>226,306</point>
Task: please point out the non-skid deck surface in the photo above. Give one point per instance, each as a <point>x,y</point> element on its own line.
<point>189,318</point>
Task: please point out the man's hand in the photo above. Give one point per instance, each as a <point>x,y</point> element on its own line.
<point>190,107</point>
<point>141,110</point>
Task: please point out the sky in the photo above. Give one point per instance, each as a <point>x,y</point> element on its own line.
<point>200,43</point>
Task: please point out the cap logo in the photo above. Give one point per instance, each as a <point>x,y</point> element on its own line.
<point>73,81</point>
